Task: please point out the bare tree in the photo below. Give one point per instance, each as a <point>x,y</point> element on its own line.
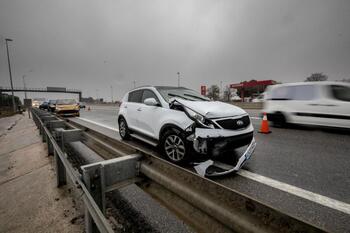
<point>316,77</point>
<point>214,92</point>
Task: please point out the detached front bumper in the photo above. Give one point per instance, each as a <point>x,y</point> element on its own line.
<point>223,169</point>
<point>214,142</point>
<point>217,142</point>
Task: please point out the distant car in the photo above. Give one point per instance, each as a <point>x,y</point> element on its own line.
<point>259,98</point>
<point>180,120</point>
<point>36,102</point>
<point>310,103</point>
<point>81,104</point>
<point>67,107</point>
<point>236,98</point>
<point>44,105</point>
<point>51,106</point>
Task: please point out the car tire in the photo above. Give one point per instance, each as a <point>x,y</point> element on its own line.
<point>279,120</point>
<point>174,147</point>
<point>124,131</point>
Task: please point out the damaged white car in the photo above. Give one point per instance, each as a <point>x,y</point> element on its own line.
<point>187,126</point>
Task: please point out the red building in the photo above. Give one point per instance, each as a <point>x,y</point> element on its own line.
<point>251,88</point>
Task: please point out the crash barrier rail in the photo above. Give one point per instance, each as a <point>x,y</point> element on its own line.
<point>203,204</point>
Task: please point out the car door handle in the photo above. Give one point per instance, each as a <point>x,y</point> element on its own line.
<point>139,109</point>
<point>125,106</point>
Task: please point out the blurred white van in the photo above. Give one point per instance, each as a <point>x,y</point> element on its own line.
<point>310,103</point>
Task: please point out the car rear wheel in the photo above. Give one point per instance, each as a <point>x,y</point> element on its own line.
<point>173,146</point>
<point>279,120</point>
<point>124,129</point>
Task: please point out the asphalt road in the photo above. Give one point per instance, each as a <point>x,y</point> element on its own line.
<point>302,171</point>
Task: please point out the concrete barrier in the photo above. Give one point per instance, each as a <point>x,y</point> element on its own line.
<point>248,105</point>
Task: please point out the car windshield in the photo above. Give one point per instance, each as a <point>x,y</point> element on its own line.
<point>65,101</point>
<point>169,92</point>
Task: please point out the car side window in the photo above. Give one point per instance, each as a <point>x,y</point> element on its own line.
<point>135,96</point>
<point>280,93</point>
<point>148,94</point>
<point>341,92</point>
<point>304,92</point>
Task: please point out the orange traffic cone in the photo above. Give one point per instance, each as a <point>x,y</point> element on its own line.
<point>89,108</point>
<point>265,125</point>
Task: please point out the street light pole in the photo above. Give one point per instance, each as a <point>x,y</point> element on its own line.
<point>9,63</point>
<point>112,93</point>
<point>24,86</point>
<point>97,95</point>
<point>178,79</point>
<point>221,91</point>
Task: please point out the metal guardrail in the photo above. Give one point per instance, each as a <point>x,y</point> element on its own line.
<point>203,204</point>
<point>44,121</point>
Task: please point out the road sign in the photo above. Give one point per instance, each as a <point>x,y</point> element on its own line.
<point>27,103</point>
<point>60,89</point>
<point>203,90</point>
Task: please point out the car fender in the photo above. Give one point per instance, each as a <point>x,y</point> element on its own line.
<point>174,118</point>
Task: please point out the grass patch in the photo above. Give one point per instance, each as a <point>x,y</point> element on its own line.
<point>6,112</point>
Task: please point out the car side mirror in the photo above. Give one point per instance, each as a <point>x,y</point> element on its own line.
<point>151,102</point>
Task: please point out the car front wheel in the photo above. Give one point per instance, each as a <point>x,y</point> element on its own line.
<point>173,146</point>
<point>123,129</point>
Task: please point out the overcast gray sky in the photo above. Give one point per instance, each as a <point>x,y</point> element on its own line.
<point>92,45</point>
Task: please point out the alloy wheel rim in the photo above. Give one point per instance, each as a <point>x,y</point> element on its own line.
<point>174,148</point>
<point>122,129</point>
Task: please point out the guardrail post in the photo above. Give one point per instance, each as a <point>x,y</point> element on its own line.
<point>45,119</point>
<point>70,135</point>
<point>92,180</point>
<point>105,176</point>
<point>51,125</point>
<point>63,136</point>
<point>50,150</point>
<point>60,170</point>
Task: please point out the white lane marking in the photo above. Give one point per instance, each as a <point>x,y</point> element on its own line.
<point>99,124</point>
<point>314,197</point>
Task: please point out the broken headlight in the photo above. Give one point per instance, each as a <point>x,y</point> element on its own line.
<point>201,120</point>
<point>195,116</point>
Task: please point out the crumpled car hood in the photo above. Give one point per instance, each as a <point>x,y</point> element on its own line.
<point>212,109</point>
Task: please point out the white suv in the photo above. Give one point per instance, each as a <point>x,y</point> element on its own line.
<point>180,120</point>
<point>311,103</point>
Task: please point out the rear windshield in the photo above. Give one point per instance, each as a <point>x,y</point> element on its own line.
<point>66,101</point>
<point>170,92</point>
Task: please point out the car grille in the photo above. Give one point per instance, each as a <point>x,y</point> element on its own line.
<point>238,123</point>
